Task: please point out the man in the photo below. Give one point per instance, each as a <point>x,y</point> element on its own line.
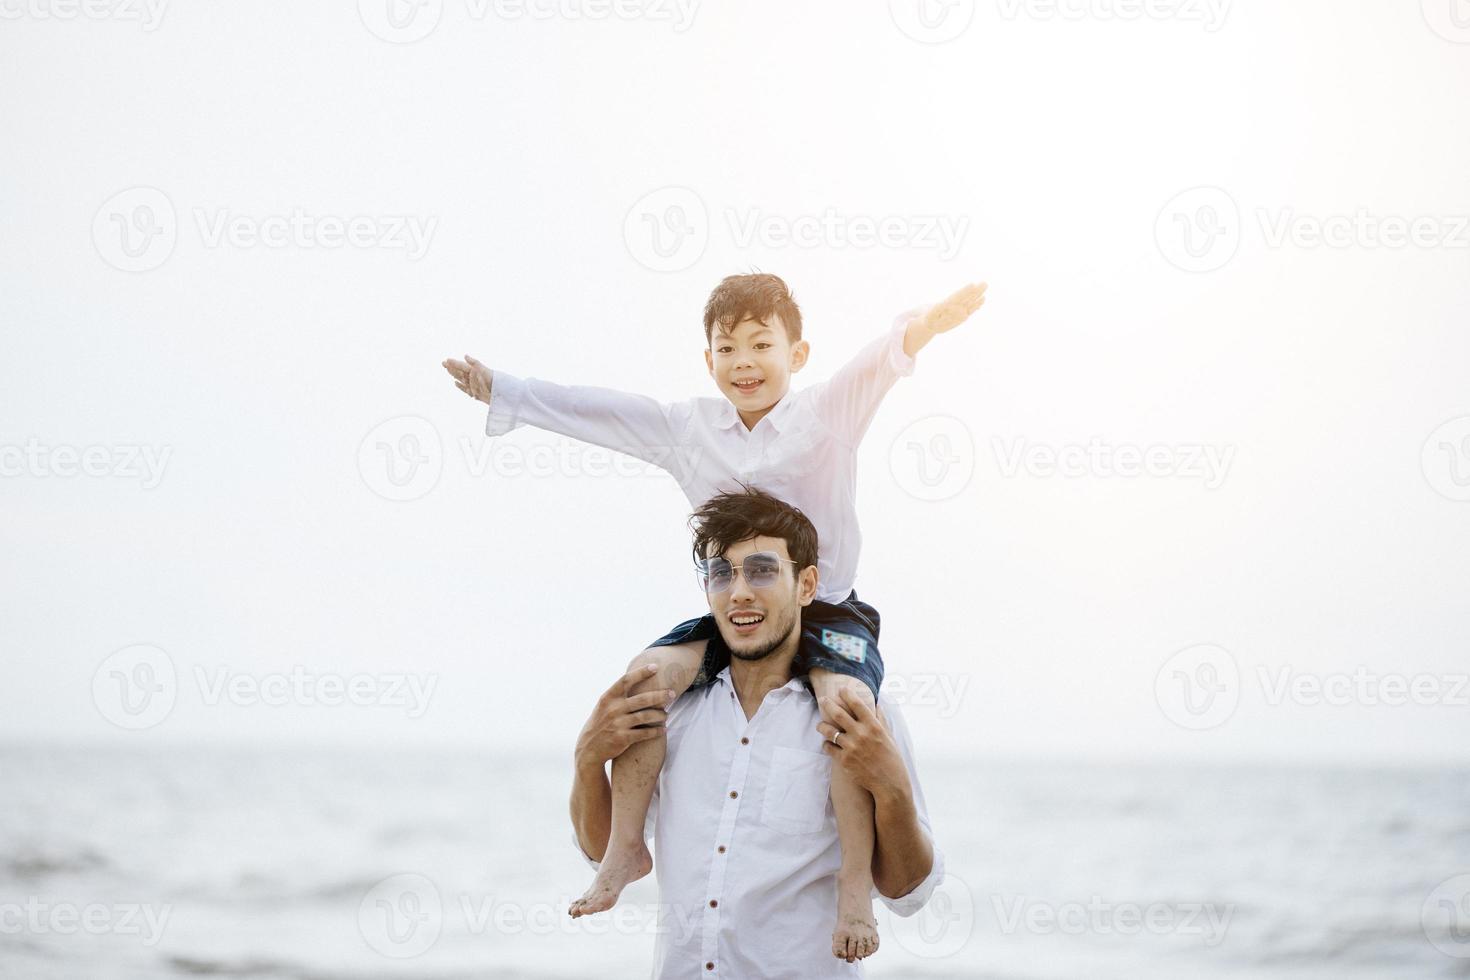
<point>743,829</point>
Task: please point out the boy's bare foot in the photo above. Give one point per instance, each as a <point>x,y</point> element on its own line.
<point>856,935</point>
<point>619,868</point>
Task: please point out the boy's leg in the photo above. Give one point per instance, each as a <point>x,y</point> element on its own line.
<point>856,933</point>
<point>634,775</point>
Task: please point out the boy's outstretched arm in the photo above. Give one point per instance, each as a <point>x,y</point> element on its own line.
<point>634,424</point>
<point>943,317</point>
<point>849,400</point>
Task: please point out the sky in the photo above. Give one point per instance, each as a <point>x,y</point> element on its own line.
<point>1194,485</point>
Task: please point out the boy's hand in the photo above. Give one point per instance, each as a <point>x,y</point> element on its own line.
<point>618,720</point>
<point>955,310</point>
<point>470,377</point>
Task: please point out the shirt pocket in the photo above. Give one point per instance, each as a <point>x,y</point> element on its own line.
<point>797,791</point>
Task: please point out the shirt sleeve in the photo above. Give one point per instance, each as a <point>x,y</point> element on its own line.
<point>847,402</point>
<point>907,905</point>
<point>640,426</point>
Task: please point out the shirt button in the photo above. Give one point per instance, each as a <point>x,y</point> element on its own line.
<point>714,904</point>
<point>745,741</point>
<point>709,966</point>
<point>733,794</point>
<point>721,848</point>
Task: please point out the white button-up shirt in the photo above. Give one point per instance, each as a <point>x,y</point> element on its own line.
<point>804,451</point>
<point>745,839</point>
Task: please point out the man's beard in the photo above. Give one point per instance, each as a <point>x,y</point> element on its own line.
<point>760,653</point>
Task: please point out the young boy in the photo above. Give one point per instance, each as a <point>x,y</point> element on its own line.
<point>800,447</point>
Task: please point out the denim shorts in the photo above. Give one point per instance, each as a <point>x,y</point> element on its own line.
<point>842,638</point>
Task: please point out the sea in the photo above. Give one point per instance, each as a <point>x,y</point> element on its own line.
<point>280,863</point>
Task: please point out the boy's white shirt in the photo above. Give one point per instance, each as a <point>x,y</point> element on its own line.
<point>804,451</point>
<point>775,881</point>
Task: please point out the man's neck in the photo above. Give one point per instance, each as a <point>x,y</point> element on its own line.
<point>754,679</point>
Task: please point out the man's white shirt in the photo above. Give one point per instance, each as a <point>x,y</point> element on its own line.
<point>745,840</point>
<point>804,451</point>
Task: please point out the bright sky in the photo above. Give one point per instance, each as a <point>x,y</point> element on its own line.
<point>1151,198</point>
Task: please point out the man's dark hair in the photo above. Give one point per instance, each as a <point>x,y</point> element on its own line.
<point>757,296</point>
<point>728,518</point>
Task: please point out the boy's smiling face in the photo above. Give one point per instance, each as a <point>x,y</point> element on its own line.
<point>753,363</point>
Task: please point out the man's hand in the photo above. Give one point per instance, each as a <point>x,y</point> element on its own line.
<point>470,377</point>
<point>615,722</point>
<point>864,748</point>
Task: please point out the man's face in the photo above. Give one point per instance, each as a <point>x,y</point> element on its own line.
<point>756,622</point>
<point>753,363</point>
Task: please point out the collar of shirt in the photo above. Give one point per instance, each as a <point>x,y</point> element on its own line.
<point>729,416</point>
<point>799,684</point>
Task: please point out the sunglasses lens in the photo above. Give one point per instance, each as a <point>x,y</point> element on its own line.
<point>715,574</point>
<point>762,570</point>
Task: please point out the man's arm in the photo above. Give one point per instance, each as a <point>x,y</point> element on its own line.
<point>881,762</point>
<point>615,724</point>
<point>634,424</point>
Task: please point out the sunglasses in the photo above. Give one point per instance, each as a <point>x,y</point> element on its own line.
<point>762,570</point>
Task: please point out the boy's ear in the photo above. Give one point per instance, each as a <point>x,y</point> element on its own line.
<point>709,362</point>
<point>799,353</point>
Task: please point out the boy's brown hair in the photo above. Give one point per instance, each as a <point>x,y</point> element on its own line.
<point>755,296</point>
